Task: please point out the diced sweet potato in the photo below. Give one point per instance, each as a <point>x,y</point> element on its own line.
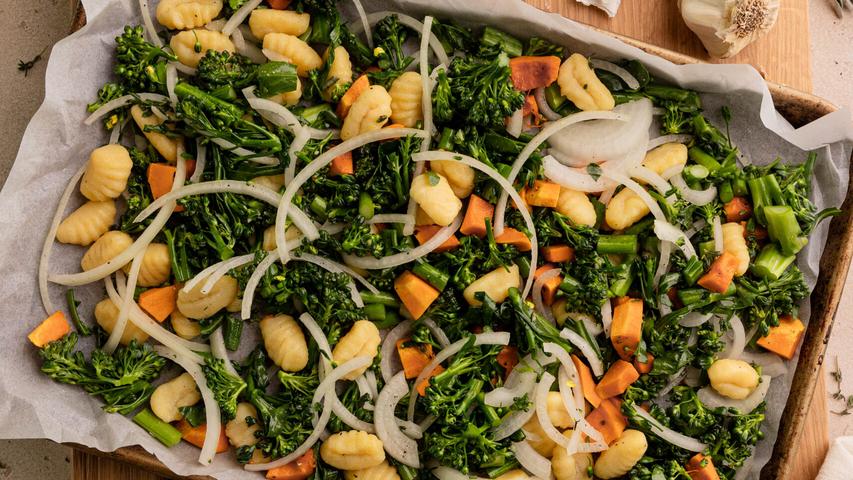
<point>531,72</point>
<point>195,435</point>
<point>627,327</point>
<point>416,294</point>
<point>784,338</point>
<point>516,238</point>
<point>645,367</point>
<point>587,382</point>
<point>558,253</point>
<point>159,302</point>
<point>342,165</point>
<point>425,232</point>
<point>607,418</point>
<point>478,211</point>
<point>720,274</point>
<point>543,194</point>
<point>618,378</point>
<point>299,469</point>
<point>359,86</point>
<point>738,210</point>
<point>423,385</point>
<point>414,358</point>
<point>51,329</point>
<point>700,467</point>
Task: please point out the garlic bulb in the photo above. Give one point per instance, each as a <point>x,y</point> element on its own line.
<point>727,26</point>
<point>609,6</point>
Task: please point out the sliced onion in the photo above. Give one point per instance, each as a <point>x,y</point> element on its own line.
<point>635,187</point>
<point>239,16</point>
<point>389,364</point>
<point>349,418</point>
<point>663,262</point>
<point>410,22</point>
<point>364,23</point>
<point>200,276</point>
<point>217,347</point>
<point>246,49</point>
<point>675,138</point>
<point>391,218</point>
<point>150,31</point>
<point>711,399</point>
<point>399,446</point>
<point>214,186</point>
<point>252,284</point>
<point>692,376</point>
<point>115,133</point>
<point>506,185</point>
<point>669,232</point>
<point>597,445</point>
<point>125,305</point>
<point>299,142</point>
<point>573,178</point>
<point>516,123</point>
<point>327,386</point>
<point>735,350</point>
<point>122,101</point>
<point>620,72</point>
<point>574,403</point>
<point>370,376</point>
<point>668,435</point>
<point>437,332</point>
<point>696,197</point>
<point>770,363</point>
<point>185,69</point>
<point>694,319</point>
<point>227,266</point>
<point>698,225</point>
<point>649,176</point>
<point>588,351</point>
<point>519,383</point>
<point>200,160</point>
<point>242,152</point>
<point>213,420</point>
<point>447,473</point>
<point>426,81</point>
<point>606,317</point>
<point>336,267</point>
<point>544,108</point>
<point>537,293</point>
<point>718,234</point>
<point>530,459</point>
<point>674,380</point>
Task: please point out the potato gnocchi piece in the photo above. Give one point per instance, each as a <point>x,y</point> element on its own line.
<point>87,223</point>
<point>406,96</point>
<point>353,450</point>
<point>235,306</point>
<point>370,111</point>
<point>273,182</point>
<point>292,233</point>
<point>570,467</point>
<point>267,20</point>
<point>156,266</point>
<point>517,474</point>
<point>495,284</point>
<point>733,378</point>
<point>361,341</point>
<point>106,173</point>
<point>106,314</point>
<point>577,206</point>
<point>105,249</point>
<point>666,156</point>
<point>340,74</point>
<point>185,44</point>
<point>184,14</point>
<point>181,391</point>
<point>285,342</point>
<point>198,306</point>
<point>579,84</point>
<point>735,243</point>
<point>383,471</point>
<point>422,218</point>
<point>165,146</point>
<point>432,192</point>
<point>557,412</point>
<point>289,99</point>
<point>458,175</point>
<point>625,209</point>
<point>186,328</point>
<point>622,455</point>
<point>241,433</point>
<point>295,51</point>
<point>537,439</point>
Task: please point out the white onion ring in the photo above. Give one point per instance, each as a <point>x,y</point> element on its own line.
<point>668,435</point>
<point>635,187</point>
<point>675,138</point>
<point>364,23</point>
<point>606,317</point>
<point>437,332</point>
<point>227,266</point>
<point>663,263</point>
<point>574,403</point>
<point>327,386</point>
<point>434,43</point>
<point>530,459</point>
<point>770,363</point>
<point>217,347</point>
<point>735,350</point>
<point>391,218</point>
<point>306,445</point>
<point>399,446</point>
<point>148,24</point>
<point>694,319</point>
<point>299,142</point>
<point>200,160</point>
<point>214,186</point>
<point>336,267</point>
<point>588,351</point>
<point>122,102</point>
<point>239,16</point>
<point>649,176</point>
<point>711,399</point>
<point>573,178</point>
<point>624,75</point>
<point>516,123</point>
<point>242,152</point>
<point>124,306</point>
<point>669,232</point>
<point>389,347</point>
<point>696,197</point>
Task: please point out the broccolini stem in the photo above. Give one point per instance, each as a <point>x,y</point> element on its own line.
<point>690,296</point>
<point>406,472</point>
<point>620,244</point>
<point>725,192</point>
<point>186,91</point>
<point>162,431</point>
<point>375,312</point>
<point>771,263</point>
<point>81,327</point>
<point>432,275</point>
<point>509,44</point>
<point>702,158</point>
<point>382,298</point>
<point>570,284</point>
<point>692,271</point>
<point>783,228</point>
<point>488,410</point>
<point>366,207</point>
<point>232,332</point>
<point>446,140</point>
<point>687,98</point>
<point>740,187</point>
<point>178,257</point>
<point>624,278</point>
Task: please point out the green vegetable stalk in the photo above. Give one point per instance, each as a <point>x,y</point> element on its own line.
<point>162,431</point>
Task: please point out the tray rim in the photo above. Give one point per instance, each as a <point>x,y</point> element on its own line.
<point>799,108</point>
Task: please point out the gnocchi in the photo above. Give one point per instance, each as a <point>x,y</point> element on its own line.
<point>733,378</point>
<point>406,96</point>
<point>370,111</point>
<point>735,243</point>
<point>581,86</point>
<point>517,474</point>
<point>106,314</point>
<point>495,284</point>
<point>622,455</point>
<point>432,192</point>
<point>179,392</point>
<point>241,433</point>
<point>285,342</point>
<point>267,20</point>
<point>196,305</point>
<point>353,450</point>
<point>383,471</point>
<point>666,156</point>
<point>87,223</point>
<point>295,51</point>
<point>105,248</point>
<point>289,99</point>
<point>362,340</point>
<point>184,327</point>
<point>273,182</point>
<point>156,266</point>
<point>165,146</point>
<point>570,467</point>
<point>577,206</point>
<point>269,244</point>
<point>184,14</point>
<point>537,438</point>
<point>625,209</point>
<point>190,46</point>
<point>339,75</point>
<point>557,412</point>
<point>458,175</point>
<point>422,218</point>
<point>106,173</point>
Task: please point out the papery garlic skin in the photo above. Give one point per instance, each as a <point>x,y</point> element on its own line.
<point>609,6</point>
<point>725,27</point>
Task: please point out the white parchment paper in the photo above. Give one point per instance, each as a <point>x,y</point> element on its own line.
<point>56,143</point>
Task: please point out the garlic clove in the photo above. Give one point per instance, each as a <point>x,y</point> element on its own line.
<point>725,27</point>
<point>609,6</point>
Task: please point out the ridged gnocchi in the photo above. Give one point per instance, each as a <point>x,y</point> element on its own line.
<point>432,192</point>
<point>105,249</point>
<point>269,244</point>
<point>422,218</point>
<point>537,438</point>
<point>289,99</point>
<point>167,398</point>
<point>622,455</point>
<point>273,182</point>
<point>458,175</point>
<point>106,314</point>
<point>190,46</point>
<point>666,156</point>
<point>383,471</point>
<point>196,305</point>
<point>370,111</point>
<point>87,223</point>
<point>156,266</point>
<point>106,173</point>
<point>339,75</point>
<point>267,20</point>
<point>557,412</point>
<point>184,327</point>
<point>239,432</point>
<point>517,474</point>
<point>353,450</point>
<point>625,209</point>
<point>361,341</point>
<point>285,342</point>
<point>184,14</point>
<point>295,51</point>
<point>735,243</point>
<point>577,206</point>
<point>495,284</point>
<point>733,378</point>
<point>406,96</point>
<point>166,146</point>
<point>570,467</point>
<point>582,87</point>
